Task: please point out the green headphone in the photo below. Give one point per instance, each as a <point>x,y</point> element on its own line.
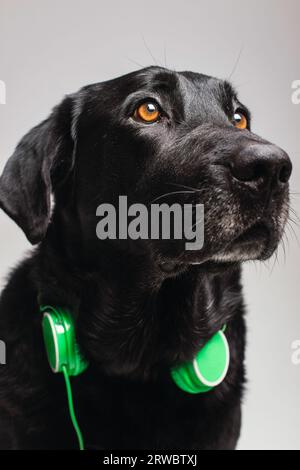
<point>205,372</point>
<point>60,341</point>
<point>208,369</point>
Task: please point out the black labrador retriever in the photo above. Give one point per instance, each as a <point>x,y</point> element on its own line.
<point>143,306</point>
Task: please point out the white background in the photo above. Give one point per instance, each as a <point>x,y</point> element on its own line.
<point>49,48</point>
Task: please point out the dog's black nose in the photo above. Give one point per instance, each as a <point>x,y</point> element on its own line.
<point>264,164</point>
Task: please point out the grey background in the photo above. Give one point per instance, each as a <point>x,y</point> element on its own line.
<point>49,48</point>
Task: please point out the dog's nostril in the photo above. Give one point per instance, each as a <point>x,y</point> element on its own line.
<point>260,171</point>
<point>285,173</point>
<point>247,173</point>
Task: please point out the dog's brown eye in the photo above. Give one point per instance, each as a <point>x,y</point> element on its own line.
<point>147,112</point>
<point>240,120</point>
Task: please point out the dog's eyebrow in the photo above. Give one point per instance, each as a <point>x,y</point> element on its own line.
<point>159,81</point>
<point>229,90</point>
<point>154,88</point>
<point>233,96</point>
<point>165,82</point>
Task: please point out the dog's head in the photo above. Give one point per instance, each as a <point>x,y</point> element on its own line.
<point>154,134</point>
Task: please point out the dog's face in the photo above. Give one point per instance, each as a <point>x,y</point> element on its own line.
<point>154,135</point>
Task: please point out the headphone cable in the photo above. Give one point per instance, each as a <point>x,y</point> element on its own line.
<point>71,409</point>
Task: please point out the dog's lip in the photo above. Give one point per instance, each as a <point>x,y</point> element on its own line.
<point>258,232</point>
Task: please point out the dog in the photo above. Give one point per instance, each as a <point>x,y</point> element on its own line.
<point>141,307</point>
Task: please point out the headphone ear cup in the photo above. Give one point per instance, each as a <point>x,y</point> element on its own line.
<point>60,342</point>
<point>208,369</point>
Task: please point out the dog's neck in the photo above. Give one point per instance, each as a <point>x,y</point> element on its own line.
<point>132,317</point>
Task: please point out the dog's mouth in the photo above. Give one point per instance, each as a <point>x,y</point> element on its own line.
<point>256,242</point>
<point>257,233</point>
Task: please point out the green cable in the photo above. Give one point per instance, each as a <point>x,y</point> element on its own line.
<point>71,409</point>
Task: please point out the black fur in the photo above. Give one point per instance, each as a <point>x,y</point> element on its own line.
<point>141,307</point>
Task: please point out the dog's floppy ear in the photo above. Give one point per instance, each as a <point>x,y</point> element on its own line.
<point>26,182</point>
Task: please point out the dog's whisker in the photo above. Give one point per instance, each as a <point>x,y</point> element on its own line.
<point>165,55</point>
<point>187,187</point>
<point>149,51</point>
<point>264,263</point>
<point>292,230</point>
<point>135,62</point>
<point>293,221</point>
<point>171,194</point>
<point>236,62</point>
<point>276,260</point>
<point>294,213</point>
<point>286,242</point>
<point>196,224</point>
<point>284,249</point>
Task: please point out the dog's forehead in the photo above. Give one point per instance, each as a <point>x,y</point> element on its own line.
<point>196,92</point>
<point>159,77</point>
<point>204,94</point>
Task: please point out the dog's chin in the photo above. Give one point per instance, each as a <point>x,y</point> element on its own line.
<point>256,243</point>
